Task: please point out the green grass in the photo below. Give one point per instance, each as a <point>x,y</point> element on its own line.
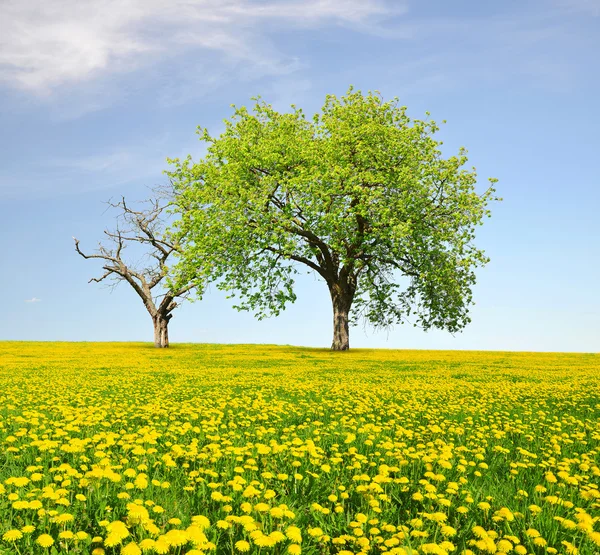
<point>367,451</point>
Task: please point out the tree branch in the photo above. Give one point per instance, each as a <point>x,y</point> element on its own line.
<point>144,227</point>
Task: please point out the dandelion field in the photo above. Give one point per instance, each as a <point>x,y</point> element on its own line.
<point>126,449</point>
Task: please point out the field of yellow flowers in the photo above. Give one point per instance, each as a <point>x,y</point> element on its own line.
<point>126,449</point>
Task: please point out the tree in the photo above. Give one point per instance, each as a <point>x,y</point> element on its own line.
<point>361,195</point>
<point>146,229</point>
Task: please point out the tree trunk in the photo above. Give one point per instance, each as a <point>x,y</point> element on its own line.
<point>161,331</point>
<point>342,301</point>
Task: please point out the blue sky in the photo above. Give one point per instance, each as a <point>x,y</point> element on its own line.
<point>94,96</point>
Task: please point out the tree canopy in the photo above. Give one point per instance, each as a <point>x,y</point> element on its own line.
<point>360,194</point>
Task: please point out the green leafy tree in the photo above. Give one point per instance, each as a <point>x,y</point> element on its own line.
<point>360,194</point>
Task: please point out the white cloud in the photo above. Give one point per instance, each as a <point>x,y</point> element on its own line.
<point>33,300</point>
<point>44,45</point>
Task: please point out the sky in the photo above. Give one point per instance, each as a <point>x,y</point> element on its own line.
<point>95,95</point>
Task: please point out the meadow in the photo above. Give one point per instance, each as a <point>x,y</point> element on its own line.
<point>126,449</point>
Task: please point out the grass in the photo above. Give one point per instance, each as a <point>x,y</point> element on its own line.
<point>123,448</point>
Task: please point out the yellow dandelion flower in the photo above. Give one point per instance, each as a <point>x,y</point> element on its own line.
<point>131,549</point>
<point>147,544</point>
<point>570,549</point>
<point>45,540</point>
<point>64,518</point>
<point>276,512</point>
<point>448,546</point>
<point>480,532</point>
<point>66,535</point>
<point>261,540</point>
<point>294,534</point>
<point>432,549</point>
<point>112,540</point>
<point>277,536</point>
<point>12,535</point>
<point>315,532</point>
<point>242,546</point>
<point>201,522</point>
<point>504,546</point>
<point>176,538</point>
<point>161,546</point>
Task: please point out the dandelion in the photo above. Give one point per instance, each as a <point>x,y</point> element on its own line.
<point>315,532</point>
<point>201,522</point>
<point>12,535</point>
<point>176,538</point>
<point>45,540</point>
<point>504,546</point>
<point>147,545</point>
<point>242,546</point>
<point>161,546</point>
<point>66,535</point>
<point>276,512</point>
<point>131,549</point>
<point>64,518</point>
<point>570,549</point>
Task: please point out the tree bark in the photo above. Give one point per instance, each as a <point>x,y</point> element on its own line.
<point>161,331</point>
<point>341,301</point>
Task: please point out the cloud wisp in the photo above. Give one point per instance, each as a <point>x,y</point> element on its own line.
<point>105,168</point>
<point>44,45</point>
<point>33,300</point>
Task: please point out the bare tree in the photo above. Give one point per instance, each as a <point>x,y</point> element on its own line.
<point>146,229</point>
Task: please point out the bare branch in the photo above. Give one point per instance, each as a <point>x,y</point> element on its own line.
<point>102,277</point>
<point>146,228</point>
